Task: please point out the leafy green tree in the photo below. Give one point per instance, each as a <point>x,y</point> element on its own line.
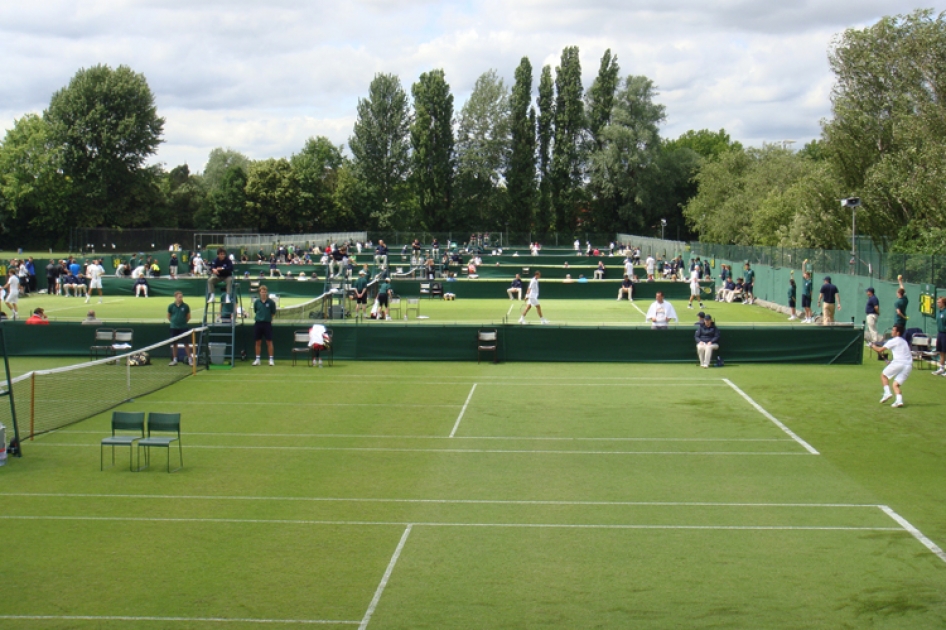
<point>218,162</point>
<point>380,146</point>
<point>106,125</point>
<point>599,100</point>
<point>272,198</point>
<point>432,144</point>
<point>544,133</point>
<point>521,167</point>
<point>226,206</point>
<point>315,168</point>
<point>185,196</point>
<point>706,143</point>
<point>566,176</point>
<point>482,152</point>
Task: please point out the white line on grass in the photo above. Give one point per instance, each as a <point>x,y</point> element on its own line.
<point>808,447</point>
<point>262,521</point>
<point>447,437</point>
<point>457,380</point>
<point>185,497</point>
<point>533,383</point>
<point>303,404</point>
<point>463,411</point>
<point>444,450</point>
<point>169,619</point>
<point>634,304</point>
<point>510,309</point>
<point>384,579</point>
<point>905,524</point>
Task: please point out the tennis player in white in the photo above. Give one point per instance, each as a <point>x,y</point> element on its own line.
<point>532,299</point>
<point>898,368</point>
<point>12,293</point>
<point>695,288</point>
<point>660,313</point>
<point>94,273</point>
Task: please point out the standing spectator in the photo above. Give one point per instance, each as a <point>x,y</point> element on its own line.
<point>172,267</point>
<point>660,313</point>
<point>695,286</point>
<point>221,270</point>
<point>385,293</point>
<point>515,289</point>
<point>806,288</point>
<point>94,273</point>
<point>361,293</point>
<point>264,309</point>
<point>651,266</point>
<point>12,288</point>
<point>707,340</point>
<point>31,274</point>
<point>748,286</point>
<point>872,310</point>
<point>900,306</point>
<point>52,277</point>
<point>941,336</point>
<point>792,292</point>
<point>532,298</point>
<point>38,318</point>
<point>898,368</point>
<point>179,314</point>
<point>831,298</point>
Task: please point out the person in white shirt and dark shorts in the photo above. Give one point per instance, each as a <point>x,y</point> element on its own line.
<point>94,273</point>
<point>898,367</point>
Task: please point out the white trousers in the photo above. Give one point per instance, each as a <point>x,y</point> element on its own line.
<point>705,352</point>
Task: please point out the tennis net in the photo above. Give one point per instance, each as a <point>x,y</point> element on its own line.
<point>46,400</point>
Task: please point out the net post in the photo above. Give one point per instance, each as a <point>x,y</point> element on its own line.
<point>32,403</point>
<point>193,352</point>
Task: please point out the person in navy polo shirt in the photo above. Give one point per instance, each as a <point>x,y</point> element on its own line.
<point>221,270</point>
<point>831,298</point>
<point>872,310</point>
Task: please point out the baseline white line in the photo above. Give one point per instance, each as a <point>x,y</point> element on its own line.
<point>443,450</point>
<point>384,579</point>
<point>304,404</point>
<point>258,521</point>
<point>808,447</point>
<point>905,524</point>
<point>459,380</point>
<point>463,411</point>
<point>446,437</point>
<point>509,310</point>
<point>166,619</point>
<point>184,497</point>
<point>519,383</point>
<point>634,304</point>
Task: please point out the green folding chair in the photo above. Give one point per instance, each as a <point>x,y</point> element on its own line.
<point>163,423</point>
<point>123,421</point>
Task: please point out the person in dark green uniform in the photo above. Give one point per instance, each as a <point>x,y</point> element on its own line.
<point>384,299</point>
<point>792,291</point>
<point>749,276</point>
<point>361,292</point>
<point>264,309</point>
<point>900,306</point>
<point>806,297</point>
<point>179,313</point>
<point>941,336</point>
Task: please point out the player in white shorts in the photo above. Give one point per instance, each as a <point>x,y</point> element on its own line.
<point>94,273</point>
<point>898,367</point>
<point>532,299</point>
<point>12,288</point>
<point>695,288</point>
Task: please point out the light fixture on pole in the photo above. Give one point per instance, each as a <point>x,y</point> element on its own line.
<point>853,203</point>
<point>663,224</point>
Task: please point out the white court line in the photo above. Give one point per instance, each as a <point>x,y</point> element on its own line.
<point>905,524</point>
<point>304,404</point>
<point>443,450</point>
<point>463,411</point>
<point>508,311</point>
<point>384,579</point>
<point>446,437</point>
<point>80,306</point>
<point>457,380</point>
<point>534,383</point>
<point>185,497</point>
<point>634,304</point>
<point>168,619</point>
<point>260,521</point>
<point>808,447</point>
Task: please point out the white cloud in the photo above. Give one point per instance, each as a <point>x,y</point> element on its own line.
<point>262,77</point>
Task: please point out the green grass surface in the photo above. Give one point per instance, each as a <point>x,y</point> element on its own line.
<point>580,312</point>
<point>570,496</point>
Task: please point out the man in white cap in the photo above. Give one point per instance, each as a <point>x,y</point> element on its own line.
<point>361,293</point>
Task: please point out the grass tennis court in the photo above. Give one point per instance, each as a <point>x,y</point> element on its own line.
<point>430,495</point>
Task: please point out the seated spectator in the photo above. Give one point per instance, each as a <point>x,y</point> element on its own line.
<point>121,270</point>
<point>141,286</point>
<point>599,272</point>
<point>724,293</point>
<point>582,278</point>
<point>38,318</point>
<point>627,288</point>
<point>92,320</point>
<point>302,277</point>
<point>155,270</point>
<point>68,283</point>
<point>707,340</point>
<point>738,292</point>
<point>515,289</point>
<point>568,279</point>
<point>80,287</point>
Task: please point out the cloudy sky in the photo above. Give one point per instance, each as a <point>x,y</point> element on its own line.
<point>261,77</point>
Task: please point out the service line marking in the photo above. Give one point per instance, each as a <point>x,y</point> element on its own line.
<point>263,521</point>
<point>808,447</point>
<point>634,304</point>
<point>463,411</point>
<point>384,579</point>
<point>381,449</point>
<point>905,524</point>
<point>169,619</point>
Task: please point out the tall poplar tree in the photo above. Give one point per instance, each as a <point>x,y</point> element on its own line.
<point>521,170</point>
<point>433,151</point>
<point>546,102</point>
<point>566,154</point>
<point>600,98</point>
